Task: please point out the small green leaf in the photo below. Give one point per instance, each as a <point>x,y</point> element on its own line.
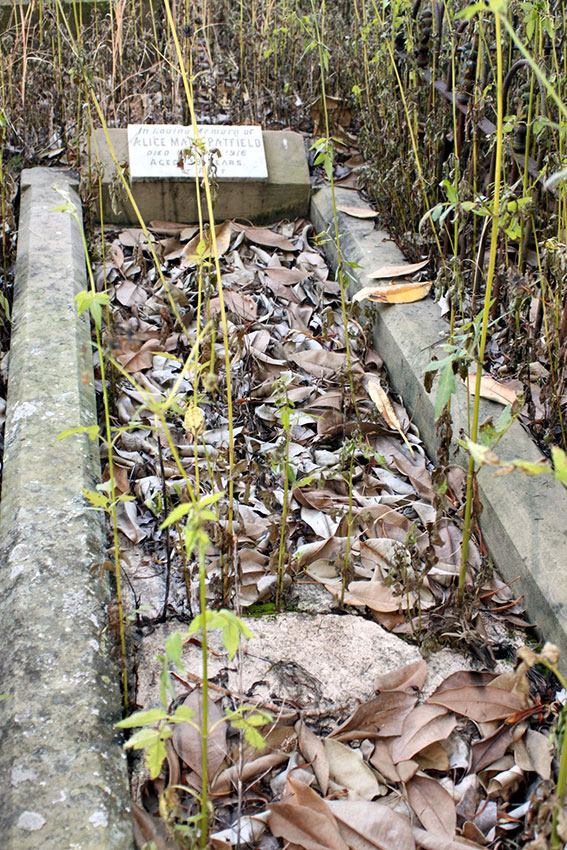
<point>210,499</point>
<point>146,737</point>
<point>504,420</point>
<point>530,468</point>
<point>480,454</point>
<point>174,648</point>
<point>445,389</point>
<point>559,458</point>
<point>254,738</point>
<point>155,757</point>
<point>91,430</point>
<point>231,639</point>
<point>450,191</point>
<point>182,714</point>
<point>97,500</point>
<point>142,718</point>
<point>176,514</point>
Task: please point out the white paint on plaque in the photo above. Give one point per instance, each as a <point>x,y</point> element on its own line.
<point>156,150</point>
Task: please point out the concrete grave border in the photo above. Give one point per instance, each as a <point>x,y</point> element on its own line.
<point>524,520</point>
<point>64,775</point>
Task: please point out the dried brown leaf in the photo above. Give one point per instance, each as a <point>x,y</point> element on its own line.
<point>464,678</point>
<point>395,293</point>
<point>433,757</point>
<point>319,362</point>
<point>375,594</point>
<point>409,678</point>
<point>191,254</point>
<point>187,740</point>
<point>313,751</point>
<point>229,778</point>
<point>357,212</point>
<point>490,749</point>
<point>264,236</point>
<point>366,826</point>
<point>492,390</point>
<point>129,294</point>
<point>148,829</point>
<point>436,841</point>
<point>279,274</point>
<point>422,727</point>
<point>480,704</point>
<point>382,715</point>
<point>306,821</point>
<point>402,270</point>
<point>348,769</point>
<point>433,805</point>
<point>381,759</point>
<point>384,407</point>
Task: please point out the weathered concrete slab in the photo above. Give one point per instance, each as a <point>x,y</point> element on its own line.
<point>62,771</point>
<point>285,194</point>
<point>524,519</point>
<point>320,662</point>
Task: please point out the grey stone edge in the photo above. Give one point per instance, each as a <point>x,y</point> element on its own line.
<point>64,776</point>
<point>524,519</point>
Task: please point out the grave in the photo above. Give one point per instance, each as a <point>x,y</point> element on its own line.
<point>260,175</point>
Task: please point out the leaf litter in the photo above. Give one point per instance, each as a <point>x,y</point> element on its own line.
<point>469,764</point>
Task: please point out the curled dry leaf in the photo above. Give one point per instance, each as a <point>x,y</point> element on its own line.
<point>382,715</point>
<point>366,826</point>
<point>348,769</point>
<point>306,820</point>
<point>490,749</point>
<point>375,594</point>
<point>191,253</point>
<point>127,522</point>
<point>433,805</point>
<point>402,270</point>
<point>409,678</point>
<point>425,725</point>
<point>540,753</point>
<point>492,389</point>
<point>187,740</point>
<point>395,293</point>
<point>436,841</point>
<point>385,409</point>
<point>357,212</point>
<point>314,752</point>
<point>319,363</point>
<point>480,704</point>
<point>269,238</point>
<point>279,274</point>
<point>229,778</point>
<point>381,760</point>
<point>149,830</point>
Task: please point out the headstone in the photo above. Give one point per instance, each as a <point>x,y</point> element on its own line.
<point>168,151</point>
<point>281,189</point>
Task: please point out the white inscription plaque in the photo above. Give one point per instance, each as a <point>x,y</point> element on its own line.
<point>155,149</point>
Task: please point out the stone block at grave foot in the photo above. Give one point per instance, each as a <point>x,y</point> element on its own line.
<point>284,194</point>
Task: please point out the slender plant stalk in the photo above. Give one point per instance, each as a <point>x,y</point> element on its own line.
<point>214,251</point>
<point>467,527</point>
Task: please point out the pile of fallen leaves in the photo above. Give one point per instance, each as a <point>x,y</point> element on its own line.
<point>469,766</point>
<point>364,501</point>
<point>366,508</point>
